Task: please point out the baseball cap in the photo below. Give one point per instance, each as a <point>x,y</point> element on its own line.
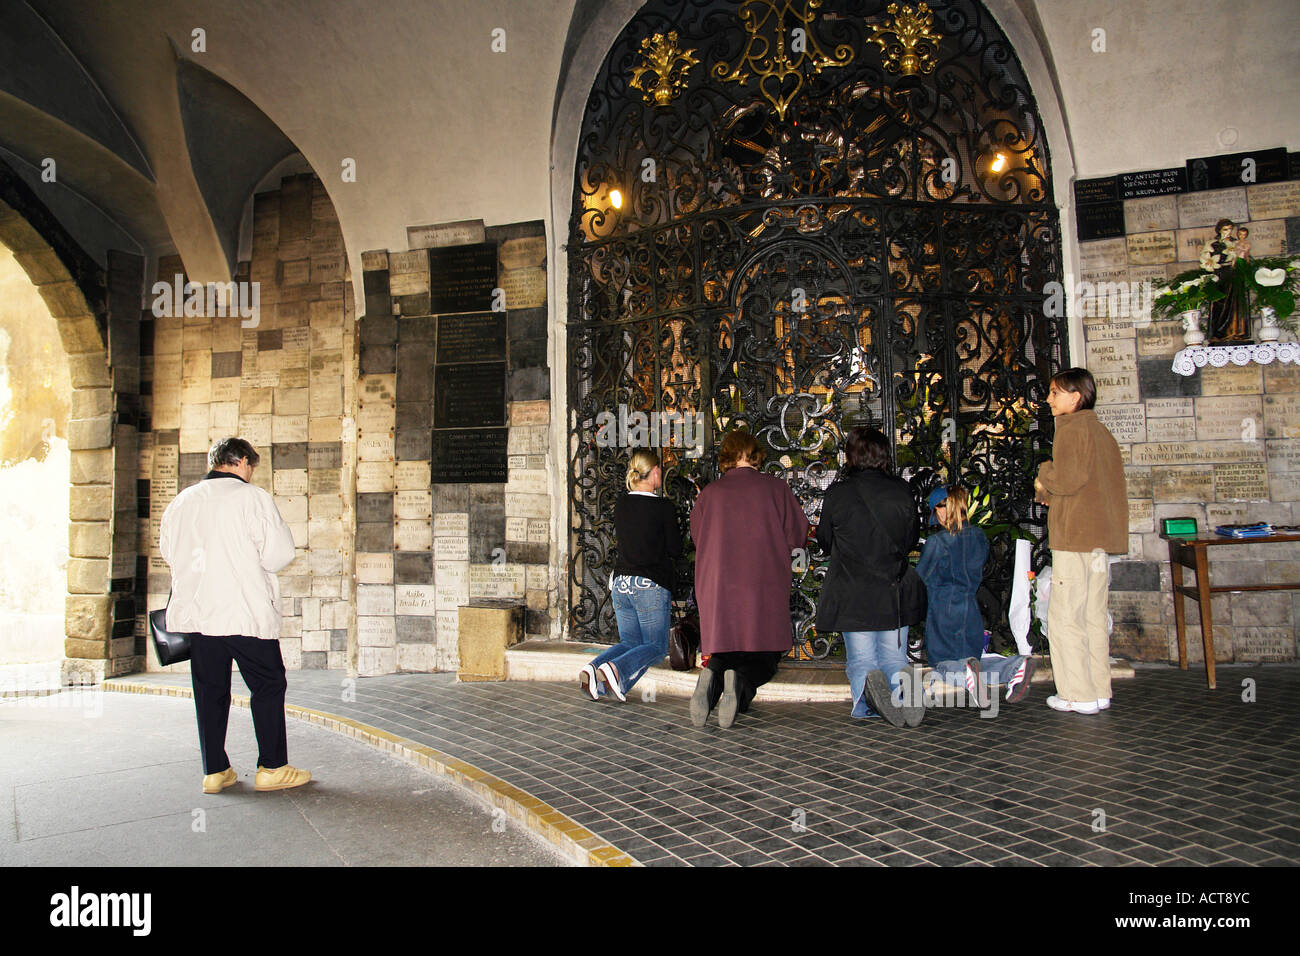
<point>937,497</point>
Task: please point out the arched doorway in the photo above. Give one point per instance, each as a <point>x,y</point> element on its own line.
<point>814,231</point>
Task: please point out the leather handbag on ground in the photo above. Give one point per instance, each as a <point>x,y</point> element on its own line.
<point>171,647</point>
<point>684,640</point>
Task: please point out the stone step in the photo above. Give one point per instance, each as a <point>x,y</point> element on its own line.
<point>559,661</point>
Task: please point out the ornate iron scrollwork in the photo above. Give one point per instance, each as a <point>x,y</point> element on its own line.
<point>844,257</point>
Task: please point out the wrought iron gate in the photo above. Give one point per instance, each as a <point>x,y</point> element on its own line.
<point>807,241</point>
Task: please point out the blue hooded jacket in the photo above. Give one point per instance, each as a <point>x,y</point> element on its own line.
<point>952,567</point>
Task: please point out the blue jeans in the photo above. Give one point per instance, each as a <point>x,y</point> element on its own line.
<point>866,651</point>
<point>642,610</point>
<point>994,671</point>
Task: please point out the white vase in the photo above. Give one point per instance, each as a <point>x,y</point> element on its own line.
<point>1192,334</point>
<point>1268,328</point>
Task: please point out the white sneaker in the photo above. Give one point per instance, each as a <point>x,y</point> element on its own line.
<point>1072,706</point>
<point>587,678</point>
<point>1103,703</point>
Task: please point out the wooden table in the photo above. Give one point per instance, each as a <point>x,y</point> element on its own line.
<point>1192,552</point>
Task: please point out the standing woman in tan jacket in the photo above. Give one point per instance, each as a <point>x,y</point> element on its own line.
<point>1087,519</point>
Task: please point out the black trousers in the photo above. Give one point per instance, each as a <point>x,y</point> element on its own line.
<point>753,670</point>
<point>262,668</point>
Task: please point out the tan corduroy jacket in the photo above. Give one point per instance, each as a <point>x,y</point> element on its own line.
<point>1083,487</point>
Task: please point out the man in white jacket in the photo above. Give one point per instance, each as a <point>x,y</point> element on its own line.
<point>224,539</point>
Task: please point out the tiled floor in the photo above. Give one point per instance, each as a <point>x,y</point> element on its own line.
<point>1172,774</point>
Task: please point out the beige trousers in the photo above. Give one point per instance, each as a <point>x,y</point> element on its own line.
<point>1076,625</point>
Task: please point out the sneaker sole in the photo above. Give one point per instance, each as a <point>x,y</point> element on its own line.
<point>728,703</point>
<point>611,684</point>
<point>1021,690</point>
<point>881,699</point>
<point>700,699</point>
<point>281,786</point>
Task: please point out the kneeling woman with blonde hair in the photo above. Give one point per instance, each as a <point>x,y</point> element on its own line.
<point>645,526</point>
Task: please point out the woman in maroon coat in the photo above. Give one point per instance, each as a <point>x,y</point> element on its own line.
<point>744,525</point>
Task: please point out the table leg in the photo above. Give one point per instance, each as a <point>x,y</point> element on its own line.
<point>1180,612</point>
<point>1207,621</point>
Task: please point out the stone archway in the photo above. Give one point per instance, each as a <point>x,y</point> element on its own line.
<point>97,312</point>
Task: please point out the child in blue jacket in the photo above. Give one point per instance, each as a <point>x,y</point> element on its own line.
<point>952,566</point>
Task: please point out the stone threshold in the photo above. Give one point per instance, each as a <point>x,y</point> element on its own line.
<point>559,661</point>
<point>569,837</point>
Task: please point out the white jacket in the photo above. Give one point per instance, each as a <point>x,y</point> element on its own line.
<point>224,540</point>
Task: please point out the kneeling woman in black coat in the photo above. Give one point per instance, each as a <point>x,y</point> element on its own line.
<point>869,524</point>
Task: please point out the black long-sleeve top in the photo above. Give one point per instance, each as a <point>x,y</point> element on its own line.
<point>648,538</point>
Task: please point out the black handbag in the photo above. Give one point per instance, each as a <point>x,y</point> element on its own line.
<point>170,646</point>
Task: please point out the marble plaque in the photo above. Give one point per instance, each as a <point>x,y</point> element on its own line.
<point>474,337</point>
<point>1231,380</point>
<point>1282,454</point>
<point>528,506</point>
<point>295,340</point>
<point>1267,238</point>
<point>1112,356</point>
<point>1126,422</point>
<point>417,599</point>
<point>288,428</point>
<point>1190,242</point>
<point>290,401</point>
<point>451,523</point>
<point>475,456</point>
<point>290,481</point>
<point>524,253</point>
<point>324,481</point>
<point>529,440</point>
<point>1151,214</point>
<point>1185,483</point>
<point>324,455</point>
<point>1152,247</point>
<point>408,283</point>
<point>1207,208</point>
<point>196,391</point>
<point>536,577</point>
<point>260,378</point>
<point>1281,378</point>
<point>1159,338</point>
<point>539,531</point>
<point>464,233</point>
<point>225,390</point>
<point>1226,418</point>
<point>1117,388</point>
<point>1170,429</point>
<point>1141,515</point>
<point>409,504</point>
<point>412,535</point>
<point>534,482</point>
<point>374,599</point>
<point>1103,255</point>
<point>324,533</point>
<point>374,476</point>
<point>1108,331</point>
<point>1170,408</point>
<point>323,505</point>
<point>374,261</point>
<point>524,288</point>
<point>470,395</point>
<point>530,413</point>
<point>374,568</point>
<point>1138,482</point>
<point>1282,416</point>
<point>377,418</point>
<point>376,631</point>
<point>516,529</point>
<point>451,585</point>
<point>516,461</point>
<point>375,446</point>
<point>195,419</point>
<point>1241,481</point>
<point>1274,200</point>
<point>400,263</point>
<point>328,429</point>
<point>1197,452</point>
<point>378,389</point>
<point>1264,644</point>
<point>224,417</point>
<point>462,278</point>
<point>411,475</point>
<point>452,548</point>
<point>496,580</point>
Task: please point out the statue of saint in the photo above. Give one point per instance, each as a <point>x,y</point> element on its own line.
<point>1230,316</point>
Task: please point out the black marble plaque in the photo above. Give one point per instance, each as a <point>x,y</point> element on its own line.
<point>469,456</point>
<point>1293,235</point>
<point>1100,220</point>
<point>462,278</point>
<point>1224,172</point>
<point>478,337</point>
<point>1096,190</point>
<point>1292,172</point>
<point>470,395</point>
<point>1153,182</point>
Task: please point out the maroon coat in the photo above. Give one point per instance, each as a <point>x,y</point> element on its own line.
<point>744,526</point>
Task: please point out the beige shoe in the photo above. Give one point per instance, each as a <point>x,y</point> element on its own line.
<point>281,778</point>
<point>216,782</point>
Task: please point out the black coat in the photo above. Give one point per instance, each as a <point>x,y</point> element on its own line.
<point>868,554</point>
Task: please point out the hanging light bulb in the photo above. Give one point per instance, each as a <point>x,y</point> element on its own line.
<point>616,198</point>
<point>999,162</point>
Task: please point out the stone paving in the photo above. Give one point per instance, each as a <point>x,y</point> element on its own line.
<point>1173,774</point>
